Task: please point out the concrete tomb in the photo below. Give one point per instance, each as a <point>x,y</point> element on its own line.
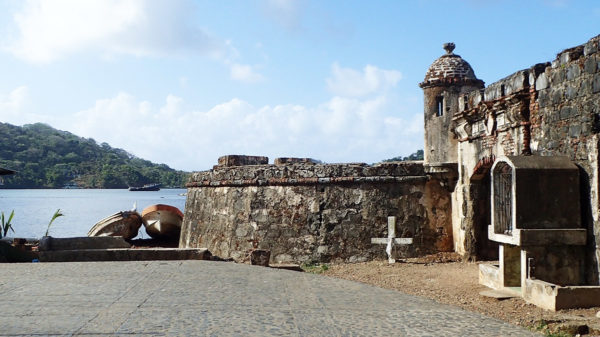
<point>536,219</point>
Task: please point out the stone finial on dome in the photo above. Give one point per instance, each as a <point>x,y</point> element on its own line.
<point>450,69</point>
<point>449,47</point>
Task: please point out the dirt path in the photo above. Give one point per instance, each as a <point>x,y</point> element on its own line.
<point>442,278</point>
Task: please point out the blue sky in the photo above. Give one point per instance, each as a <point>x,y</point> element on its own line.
<point>184,82</point>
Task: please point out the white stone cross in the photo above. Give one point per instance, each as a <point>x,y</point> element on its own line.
<point>391,240</point>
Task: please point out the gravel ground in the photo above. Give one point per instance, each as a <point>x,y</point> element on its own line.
<point>443,278</point>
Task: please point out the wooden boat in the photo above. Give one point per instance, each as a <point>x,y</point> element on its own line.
<point>162,221</point>
<point>147,187</point>
<point>125,224</point>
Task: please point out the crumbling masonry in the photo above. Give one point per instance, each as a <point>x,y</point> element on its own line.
<point>537,129</point>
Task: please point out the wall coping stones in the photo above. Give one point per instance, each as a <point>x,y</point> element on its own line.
<point>242,160</point>
<point>523,79</point>
<point>304,181</point>
<point>291,160</point>
<point>308,173</point>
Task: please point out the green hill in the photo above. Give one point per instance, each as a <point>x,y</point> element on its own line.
<point>48,158</point>
<point>413,156</point>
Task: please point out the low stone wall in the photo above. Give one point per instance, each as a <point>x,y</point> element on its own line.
<point>305,212</point>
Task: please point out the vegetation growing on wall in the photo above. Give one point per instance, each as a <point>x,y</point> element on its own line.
<point>48,158</point>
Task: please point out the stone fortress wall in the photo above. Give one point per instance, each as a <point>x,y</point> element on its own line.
<point>303,211</point>
<point>550,109</point>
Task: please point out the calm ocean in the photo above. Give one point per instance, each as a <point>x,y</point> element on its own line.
<point>81,208</point>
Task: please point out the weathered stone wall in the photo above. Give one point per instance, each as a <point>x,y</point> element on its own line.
<point>567,121</point>
<point>550,109</point>
<point>440,142</point>
<point>315,212</point>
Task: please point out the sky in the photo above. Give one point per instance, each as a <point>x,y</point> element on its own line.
<point>182,82</point>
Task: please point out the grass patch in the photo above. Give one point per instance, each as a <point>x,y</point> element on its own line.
<point>314,267</point>
<point>543,327</point>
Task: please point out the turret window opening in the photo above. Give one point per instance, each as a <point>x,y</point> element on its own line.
<point>439,100</point>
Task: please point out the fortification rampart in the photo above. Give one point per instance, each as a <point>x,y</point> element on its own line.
<point>304,211</point>
<point>549,109</point>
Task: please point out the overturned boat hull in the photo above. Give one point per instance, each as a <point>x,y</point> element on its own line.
<point>162,221</point>
<point>125,224</point>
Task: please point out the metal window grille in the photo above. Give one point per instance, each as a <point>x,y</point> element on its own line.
<point>503,199</point>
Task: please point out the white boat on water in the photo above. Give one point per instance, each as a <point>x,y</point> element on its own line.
<point>162,221</point>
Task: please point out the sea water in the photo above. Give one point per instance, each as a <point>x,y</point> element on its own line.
<point>82,208</point>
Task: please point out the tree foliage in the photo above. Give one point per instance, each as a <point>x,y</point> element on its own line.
<point>48,158</point>
<point>413,156</point>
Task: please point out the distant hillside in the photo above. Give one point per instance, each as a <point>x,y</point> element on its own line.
<point>413,156</point>
<point>48,158</point>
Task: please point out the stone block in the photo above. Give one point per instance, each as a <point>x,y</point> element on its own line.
<point>572,91</point>
<point>492,91</point>
<point>557,76</point>
<point>541,82</point>
<point>241,160</point>
<point>477,96</point>
<point>543,98</point>
<point>555,297</point>
<point>586,86</point>
<point>260,257</point>
<point>590,48</point>
<point>590,65</point>
<point>564,58</point>
<point>596,84</point>
<point>518,82</point>
<point>573,71</point>
<point>490,276</point>
<point>575,131</point>
<point>48,243</point>
<point>290,160</point>
<point>124,254</point>
<point>565,112</point>
<point>9,253</point>
<point>557,96</point>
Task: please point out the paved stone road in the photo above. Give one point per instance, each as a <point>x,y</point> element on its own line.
<point>201,298</point>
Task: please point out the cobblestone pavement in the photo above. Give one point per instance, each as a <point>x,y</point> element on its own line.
<point>201,298</point>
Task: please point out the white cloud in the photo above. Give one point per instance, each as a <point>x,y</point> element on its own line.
<point>244,73</point>
<point>15,106</point>
<point>352,83</point>
<point>341,129</point>
<point>49,30</point>
<point>14,101</point>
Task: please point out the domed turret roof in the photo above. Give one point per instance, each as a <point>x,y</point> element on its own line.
<point>450,69</point>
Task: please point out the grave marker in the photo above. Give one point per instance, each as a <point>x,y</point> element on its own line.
<point>391,240</point>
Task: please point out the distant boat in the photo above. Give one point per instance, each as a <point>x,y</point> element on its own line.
<point>162,221</point>
<point>147,187</point>
<point>125,224</point>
